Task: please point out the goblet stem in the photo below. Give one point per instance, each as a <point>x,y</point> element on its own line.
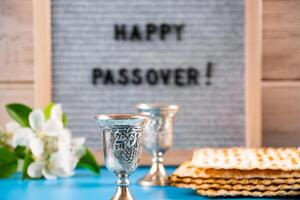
<point>123,180</point>
<point>158,165</point>
<point>157,175</point>
<point>123,192</point>
<point>158,169</point>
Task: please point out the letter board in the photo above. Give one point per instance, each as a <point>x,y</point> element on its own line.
<point>107,56</point>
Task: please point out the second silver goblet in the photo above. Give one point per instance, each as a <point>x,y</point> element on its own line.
<point>122,145</point>
<point>158,138</point>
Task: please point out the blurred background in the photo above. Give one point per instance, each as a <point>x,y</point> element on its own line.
<point>280,64</point>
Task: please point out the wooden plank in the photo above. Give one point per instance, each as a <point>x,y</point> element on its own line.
<point>13,92</point>
<point>281,83</point>
<point>16,50</point>
<point>281,36</point>
<point>173,157</point>
<point>253,72</point>
<point>281,114</point>
<point>42,52</point>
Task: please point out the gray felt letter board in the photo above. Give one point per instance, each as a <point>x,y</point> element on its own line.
<point>108,56</point>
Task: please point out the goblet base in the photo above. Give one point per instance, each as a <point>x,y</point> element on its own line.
<point>153,181</point>
<point>123,193</point>
<point>157,176</point>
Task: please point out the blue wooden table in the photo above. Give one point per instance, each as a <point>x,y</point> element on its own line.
<point>86,186</point>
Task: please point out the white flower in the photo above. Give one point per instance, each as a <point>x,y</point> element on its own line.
<point>56,112</point>
<point>51,127</point>
<point>39,127</point>
<point>22,137</point>
<point>64,140</point>
<point>37,120</point>
<point>48,175</point>
<point>55,152</point>
<point>77,147</point>
<point>7,134</point>
<point>60,164</point>
<point>37,147</point>
<point>35,169</point>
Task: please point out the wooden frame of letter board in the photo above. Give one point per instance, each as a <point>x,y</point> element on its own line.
<point>253,60</point>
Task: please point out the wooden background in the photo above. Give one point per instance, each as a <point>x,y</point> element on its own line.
<point>280,67</point>
<point>16,53</point>
<point>281,72</point>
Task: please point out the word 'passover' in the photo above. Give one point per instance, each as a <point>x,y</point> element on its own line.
<point>147,32</point>
<point>136,76</point>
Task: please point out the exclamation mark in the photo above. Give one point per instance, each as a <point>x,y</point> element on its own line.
<point>209,68</point>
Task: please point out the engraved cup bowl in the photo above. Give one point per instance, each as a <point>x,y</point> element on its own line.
<point>122,146</point>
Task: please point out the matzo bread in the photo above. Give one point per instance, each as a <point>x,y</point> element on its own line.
<point>286,159</point>
<point>241,172</point>
<point>187,169</point>
<point>249,187</point>
<point>253,181</point>
<point>214,193</point>
<point>223,192</point>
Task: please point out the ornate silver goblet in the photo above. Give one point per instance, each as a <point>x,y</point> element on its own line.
<point>122,143</point>
<point>158,138</point>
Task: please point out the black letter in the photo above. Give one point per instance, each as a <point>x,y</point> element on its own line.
<point>151,28</point>
<point>137,79</point>
<point>178,76</point>
<point>209,68</point>
<point>152,77</point>
<point>123,76</point>
<point>164,29</point>
<point>179,29</point>
<point>165,74</point>
<point>135,34</point>
<point>120,32</point>
<point>109,78</point>
<point>192,76</point>
<point>97,73</point>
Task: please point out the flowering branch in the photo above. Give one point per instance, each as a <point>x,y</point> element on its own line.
<point>43,144</point>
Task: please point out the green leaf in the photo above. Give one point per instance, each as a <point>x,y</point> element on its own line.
<point>19,113</point>
<point>47,110</point>
<point>27,161</point>
<point>64,119</point>
<point>5,145</point>
<point>20,151</point>
<point>88,161</point>
<point>8,162</point>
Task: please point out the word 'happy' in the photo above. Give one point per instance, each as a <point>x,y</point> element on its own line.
<point>147,32</point>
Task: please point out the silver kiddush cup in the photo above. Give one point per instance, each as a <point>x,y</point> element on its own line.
<point>158,138</point>
<point>122,143</point>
